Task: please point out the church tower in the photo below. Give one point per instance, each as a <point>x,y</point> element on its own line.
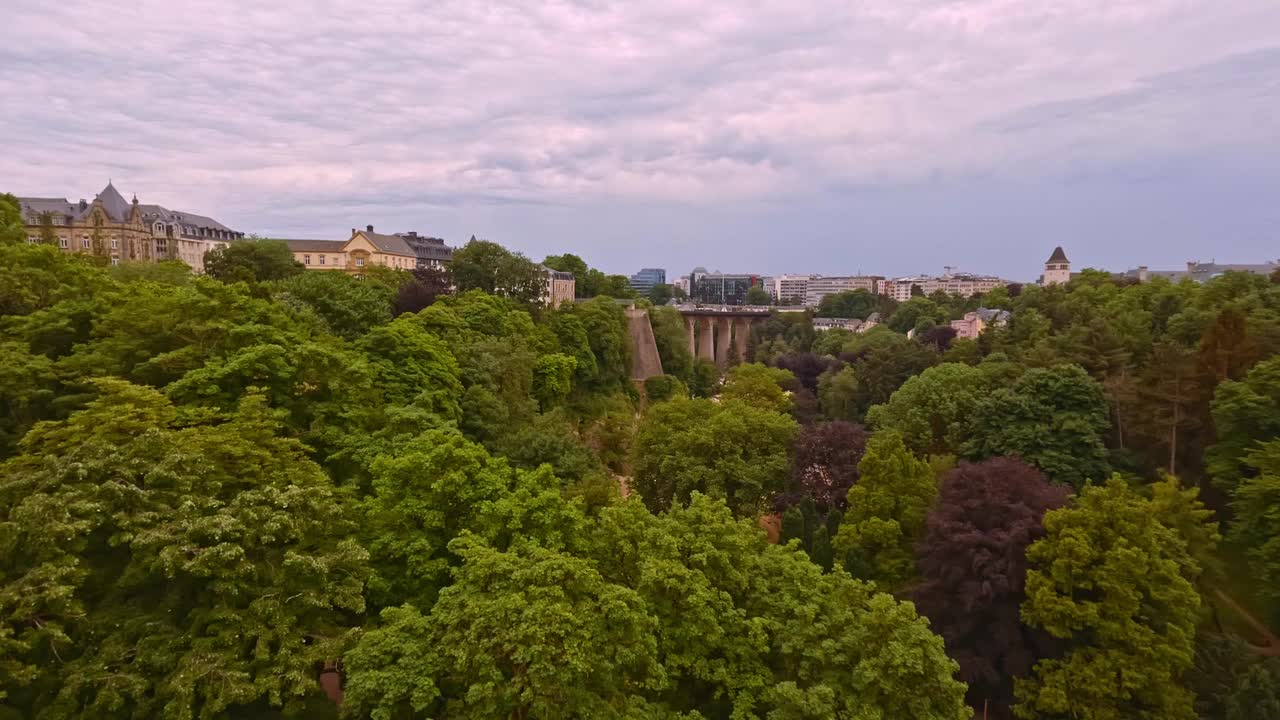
<point>1057,269</point>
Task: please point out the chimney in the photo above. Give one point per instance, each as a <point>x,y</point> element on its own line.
<point>353,231</point>
<point>83,204</point>
<point>368,228</point>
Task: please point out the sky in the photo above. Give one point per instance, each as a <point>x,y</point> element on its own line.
<point>885,137</point>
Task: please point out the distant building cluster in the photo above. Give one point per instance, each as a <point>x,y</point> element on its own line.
<point>809,290</point>
<point>1057,271</point>
<point>124,231</point>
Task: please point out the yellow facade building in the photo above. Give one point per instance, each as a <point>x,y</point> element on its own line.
<point>366,249</point>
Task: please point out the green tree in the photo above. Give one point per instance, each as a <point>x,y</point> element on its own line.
<point>252,261</point>
<point>349,306</point>
<point>932,410</point>
<point>1245,413</point>
<point>1256,527</point>
<point>411,366</point>
<point>672,339</point>
<point>703,378</point>
<point>912,312</point>
<point>758,385</point>
<point>487,266</point>
<point>152,567</point>
<point>435,487</point>
<point>731,450</point>
<point>683,615</point>
<point>12,227</point>
<point>1053,418</point>
<point>553,379</point>
<point>661,294</point>
<point>664,387</point>
<point>838,394</point>
<point>756,295</point>
<point>848,304</point>
<point>1118,588</point>
<point>522,634</point>
<point>886,513</point>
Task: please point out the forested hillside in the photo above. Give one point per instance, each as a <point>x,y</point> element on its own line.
<point>270,493</point>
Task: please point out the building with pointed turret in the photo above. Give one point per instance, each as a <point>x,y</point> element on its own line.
<point>122,231</point>
<point>1057,269</point>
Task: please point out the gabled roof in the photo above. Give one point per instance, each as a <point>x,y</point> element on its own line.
<point>1058,256</point>
<point>393,244</point>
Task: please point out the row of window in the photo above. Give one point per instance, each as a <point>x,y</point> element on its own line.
<point>306,260</point>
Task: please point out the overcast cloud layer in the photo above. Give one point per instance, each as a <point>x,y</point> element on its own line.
<point>886,136</point>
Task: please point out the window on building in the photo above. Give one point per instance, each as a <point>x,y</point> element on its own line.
<point>115,261</point>
<point>32,239</point>
<point>63,243</point>
<point>359,262</point>
<point>84,243</point>
<point>321,259</point>
<point>160,247</point>
<point>115,244</point>
<point>306,259</point>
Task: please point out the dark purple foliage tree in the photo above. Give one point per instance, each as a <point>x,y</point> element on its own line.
<point>804,404</point>
<point>973,567</point>
<point>806,367</point>
<point>938,336</point>
<point>427,285</point>
<point>826,464</point>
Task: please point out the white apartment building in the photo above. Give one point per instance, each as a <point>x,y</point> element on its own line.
<point>821,286</point>
<point>962,284</point>
<point>794,288</point>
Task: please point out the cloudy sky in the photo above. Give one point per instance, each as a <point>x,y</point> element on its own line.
<point>885,136</point>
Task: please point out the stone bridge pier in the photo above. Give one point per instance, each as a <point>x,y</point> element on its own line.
<point>712,331</point>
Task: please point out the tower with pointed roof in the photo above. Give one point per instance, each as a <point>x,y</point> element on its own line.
<point>1057,269</point>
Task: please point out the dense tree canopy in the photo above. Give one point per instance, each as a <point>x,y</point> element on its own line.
<point>686,614</point>
<point>1054,418</point>
<point>219,493</point>
<point>1117,587</point>
<point>732,450</point>
<point>252,261</point>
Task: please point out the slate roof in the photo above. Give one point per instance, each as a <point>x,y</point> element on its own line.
<point>114,203</point>
<point>990,315</point>
<point>118,209</point>
<point>35,207</point>
<point>181,217</point>
<point>393,244</point>
<point>1058,256</point>
<point>332,246</point>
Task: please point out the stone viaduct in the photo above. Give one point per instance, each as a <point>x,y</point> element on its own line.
<point>713,329</point>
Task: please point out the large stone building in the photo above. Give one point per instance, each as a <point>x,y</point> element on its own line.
<point>123,231</point>
<point>560,288</point>
<point>366,249</point>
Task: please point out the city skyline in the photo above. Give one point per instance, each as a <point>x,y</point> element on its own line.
<point>889,138</point>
